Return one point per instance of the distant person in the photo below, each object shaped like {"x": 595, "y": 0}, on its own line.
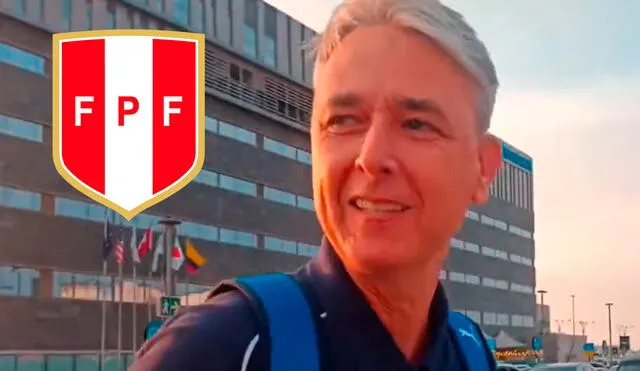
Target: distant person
{"x": 404, "y": 93}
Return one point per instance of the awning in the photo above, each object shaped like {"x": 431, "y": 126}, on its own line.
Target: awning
{"x": 504, "y": 341}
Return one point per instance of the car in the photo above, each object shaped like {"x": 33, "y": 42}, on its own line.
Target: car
{"x": 569, "y": 366}
{"x": 507, "y": 367}
{"x": 629, "y": 363}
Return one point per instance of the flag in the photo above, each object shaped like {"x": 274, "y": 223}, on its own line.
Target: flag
{"x": 107, "y": 244}
{"x": 133, "y": 246}
{"x": 177, "y": 255}
{"x": 119, "y": 252}
{"x": 194, "y": 260}
{"x": 145, "y": 244}
{"x": 159, "y": 251}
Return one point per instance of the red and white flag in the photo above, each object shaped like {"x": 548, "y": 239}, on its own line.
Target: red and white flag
{"x": 177, "y": 255}
{"x": 123, "y": 102}
{"x": 145, "y": 245}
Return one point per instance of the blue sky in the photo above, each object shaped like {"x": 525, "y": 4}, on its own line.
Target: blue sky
{"x": 570, "y": 97}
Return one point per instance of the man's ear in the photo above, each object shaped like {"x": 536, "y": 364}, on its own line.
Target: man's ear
{"x": 490, "y": 158}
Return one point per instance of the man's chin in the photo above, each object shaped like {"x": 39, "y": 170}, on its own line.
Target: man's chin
{"x": 376, "y": 256}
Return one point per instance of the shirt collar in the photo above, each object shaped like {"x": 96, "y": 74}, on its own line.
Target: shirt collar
{"x": 346, "y": 307}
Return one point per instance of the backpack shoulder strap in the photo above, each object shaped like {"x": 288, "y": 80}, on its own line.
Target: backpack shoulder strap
{"x": 470, "y": 341}
{"x": 281, "y": 306}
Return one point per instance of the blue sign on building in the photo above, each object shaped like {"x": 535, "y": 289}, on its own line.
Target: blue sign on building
{"x": 152, "y": 328}
{"x": 536, "y": 343}
{"x": 589, "y": 348}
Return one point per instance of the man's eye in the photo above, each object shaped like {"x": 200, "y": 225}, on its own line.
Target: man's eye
{"x": 341, "y": 120}
{"x": 415, "y": 124}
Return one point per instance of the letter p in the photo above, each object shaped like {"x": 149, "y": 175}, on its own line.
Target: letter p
{"x": 125, "y": 109}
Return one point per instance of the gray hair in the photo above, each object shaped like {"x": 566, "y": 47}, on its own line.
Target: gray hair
{"x": 446, "y": 27}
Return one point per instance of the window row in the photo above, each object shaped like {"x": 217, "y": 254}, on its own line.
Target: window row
{"x": 229, "y": 183}
{"x": 498, "y": 224}
{"x": 499, "y": 319}
{"x": 20, "y": 128}
{"x": 472, "y": 279}
{"x": 514, "y": 185}
{"x": 22, "y": 59}
{"x": 489, "y": 251}
{"x": 245, "y": 136}
{"x": 64, "y": 362}
{"x": 94, "y": 212}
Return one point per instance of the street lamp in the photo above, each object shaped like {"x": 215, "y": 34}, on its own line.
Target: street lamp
{"x": 542, "y": 319}
{"x": 609, "y": 305}
{"x": 169, "y": 224}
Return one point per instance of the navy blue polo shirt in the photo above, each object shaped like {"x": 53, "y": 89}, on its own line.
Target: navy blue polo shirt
{"x": 220, "y": 335}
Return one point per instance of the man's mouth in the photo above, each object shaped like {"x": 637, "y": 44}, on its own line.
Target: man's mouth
{"x": 378, "y": 206}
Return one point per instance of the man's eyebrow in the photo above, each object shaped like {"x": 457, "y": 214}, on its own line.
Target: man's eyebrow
{"x": 418, "y": 105}
{"x": 344, "y": 100}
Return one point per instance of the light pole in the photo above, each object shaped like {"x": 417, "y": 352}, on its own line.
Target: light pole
{"x": 542, "y": 319}
{"x": 559, "y": 323}
{"x": 609, "y": 305}
{"x": 573, "y": 314}
{"x": 583, "y": 326}
{"x": 169, "y": 224}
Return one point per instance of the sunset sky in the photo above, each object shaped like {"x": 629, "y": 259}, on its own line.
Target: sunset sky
{"x": 570, "y": 97}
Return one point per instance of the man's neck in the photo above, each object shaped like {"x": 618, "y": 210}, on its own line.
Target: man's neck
{"x": 402, "y": 302}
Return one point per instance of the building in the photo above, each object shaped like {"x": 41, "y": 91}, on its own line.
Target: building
{"x": 490, "y": 273}
{"x": 249, "y": 211}
{"x": 543, "y": 318}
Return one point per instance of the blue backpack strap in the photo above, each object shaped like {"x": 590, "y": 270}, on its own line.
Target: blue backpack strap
{"x": 471, "y": 342}
{"x": 291, "y": 325}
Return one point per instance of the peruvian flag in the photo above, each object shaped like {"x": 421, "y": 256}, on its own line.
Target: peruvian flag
{"x": 145, "y": 244}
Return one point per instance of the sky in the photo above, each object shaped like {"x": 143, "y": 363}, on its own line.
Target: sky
{"x": 569, "y": 97}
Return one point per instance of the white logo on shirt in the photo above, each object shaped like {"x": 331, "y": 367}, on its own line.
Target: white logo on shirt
{"x": 466, "y": 333}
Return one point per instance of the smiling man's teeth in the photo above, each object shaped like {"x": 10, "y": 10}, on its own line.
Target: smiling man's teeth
{"x": 378, "y": 206}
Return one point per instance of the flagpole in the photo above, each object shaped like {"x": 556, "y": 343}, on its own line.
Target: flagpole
{"x": 134, "y": 314}
{"x": 103, "y": 319}
{"x": 120, "y": 302}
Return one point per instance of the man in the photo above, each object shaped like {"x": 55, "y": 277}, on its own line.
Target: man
{"x": 404, "y": 93}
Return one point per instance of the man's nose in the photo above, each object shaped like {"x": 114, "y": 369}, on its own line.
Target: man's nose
{"x": 376, "y": 157}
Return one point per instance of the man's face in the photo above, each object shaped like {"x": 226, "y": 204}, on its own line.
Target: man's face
{"x": 397, "y": 154}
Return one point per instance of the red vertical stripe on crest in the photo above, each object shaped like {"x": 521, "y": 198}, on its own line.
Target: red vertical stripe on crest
{"x": 174, "y": 146}
{"x": 82, "y": 147}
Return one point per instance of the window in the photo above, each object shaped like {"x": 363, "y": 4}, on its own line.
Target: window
{"x": 502, "y": 285}
{"x": 443, "y": 274}
{"x": 279, "y": 148}
{"x": 199, "y": 231}
{"x": 20, "y": 128}
{"x": 502, "y": 319}
{"x": 488, "y": 282}
{"x": 457, "y": 244}
{"x": 307, "y": 250}
{"x": 214, "y": 8}
{"x": 515, "y": 258}
{"x": 475, "y": 316}
{"x": 199, "y": 20}
{"x": 65, "y": 13}
{"x": 238, "y": 185}
{"x": 233, "y": 237}
{"x": 528, "y": 321}
{"x": 489, "y": 318}
{"x": 456, "y": 277}
{"x": 473, "y": 215}
{"x": 250, "y": 35}
{"x": 18, "y": 281}
{"x": 270, "y": 36}
{"x": 18, "y": 199}
{"x": 88, "y": 15}
{"x": 472, "y": 279}
{"x": 279, "y": 196}
{"x": 517, "y": 321}
{"x": 21, "y": 59}
{"x": 502, "y": 255}
{"x": 211, "y": 124}
{"x": 207, "y": 177}
{"x": 488, "y": 251}
{"x": 276, "y": 244}
{"x": 237, "y": 133}
{"x": 59, "y": 362}
{"x": 30, "y": 363}
{"x": 303, "y": 156}
{"x": 472, "y": 247}
{"x": 305, "y": 203}
{"x": 20, "y": 6}
{"x": 110, "y": 18}
{"x": 181, "y": 11}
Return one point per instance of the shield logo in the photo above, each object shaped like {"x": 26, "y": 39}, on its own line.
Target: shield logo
{"x": 128, "y": 114}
